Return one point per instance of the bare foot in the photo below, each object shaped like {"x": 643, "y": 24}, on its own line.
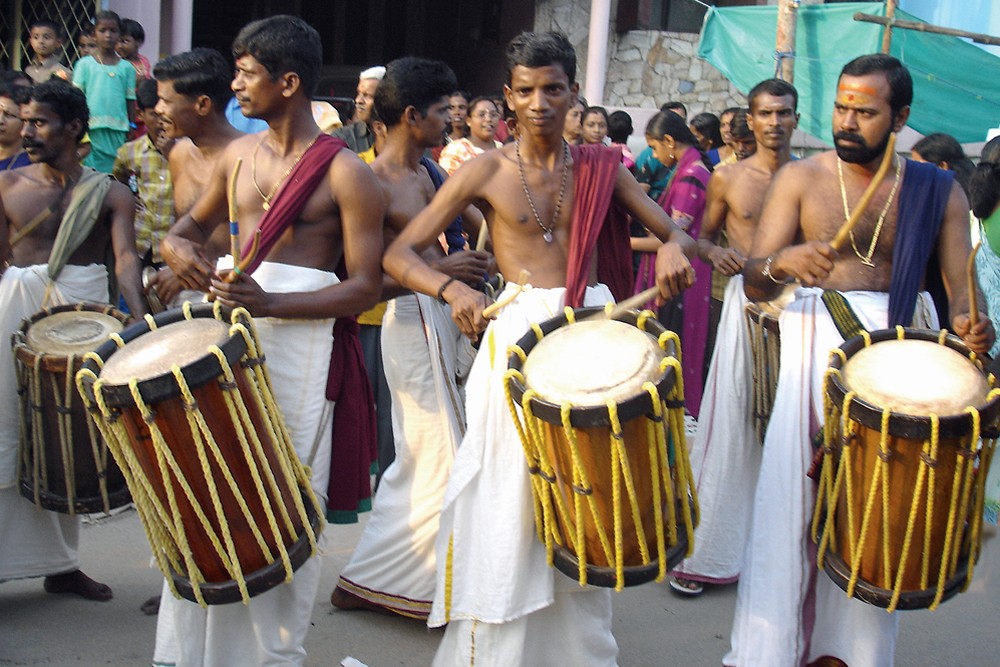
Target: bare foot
{"x": 151, "y": 607}
{"x": 342, "y": 599}
{"x": 80, "y": 584}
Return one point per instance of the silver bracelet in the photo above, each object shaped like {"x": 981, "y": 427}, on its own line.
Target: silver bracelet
{"x": 767, "y": 271}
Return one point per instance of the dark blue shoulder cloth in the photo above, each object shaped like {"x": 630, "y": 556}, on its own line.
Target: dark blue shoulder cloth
{"x": 453, "y": 233}
{"x": 923, "y": 197}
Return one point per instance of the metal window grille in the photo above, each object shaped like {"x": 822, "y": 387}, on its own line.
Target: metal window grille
{"x": 17, "y": 15}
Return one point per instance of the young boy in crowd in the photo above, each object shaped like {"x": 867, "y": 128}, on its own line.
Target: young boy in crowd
{"x": 109, "y": 84}
{"x": 46, "y": 41}
{"x": 133, "y": 37}
{"x": 142, "y": 166}
{"x": 86, "y": 43}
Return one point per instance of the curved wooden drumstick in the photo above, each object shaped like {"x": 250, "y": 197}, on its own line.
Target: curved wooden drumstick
{"x": 973, "y": 288}
{"x": 484, "y": 235}
{"x": 234, "y": 226}
{"x": 245, "y": 262}
{"x": 494, "y": 308}
{"x": 866, "y": 197}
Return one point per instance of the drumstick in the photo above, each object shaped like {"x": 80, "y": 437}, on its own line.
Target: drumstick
{"x": 636, "y": 301}
{"x": 234, "y": 226}
{"x": 493, "y": 308}
{"x": 866, "y": 197}
{"x": 484, "y": 236}
{"x": 973, "y": 289}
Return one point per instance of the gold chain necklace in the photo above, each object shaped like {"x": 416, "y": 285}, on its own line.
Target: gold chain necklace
{"x": 110, "y": 73}
{"x": 867, "y": 259}
{"x": 546, "y": 231}
{"x": 266, "y": 205}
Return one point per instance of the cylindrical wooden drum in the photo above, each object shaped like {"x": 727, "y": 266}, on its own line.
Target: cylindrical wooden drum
{"x": 599, "y": 406}
{"x": 765, "y": 346}
{"x": 64, "y": 465}
{"x": 186, "y": 406}
{"x": 910, "y": 421}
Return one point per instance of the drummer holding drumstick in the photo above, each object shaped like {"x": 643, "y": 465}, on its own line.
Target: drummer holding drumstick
{"x": 785, "y": 613}
{"x": 61, "y": 223}
{"x": 544, "y": 203}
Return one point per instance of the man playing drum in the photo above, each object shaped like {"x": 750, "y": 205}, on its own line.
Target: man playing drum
{"x": 501, "y": 602}
{"x": 785, "y": 613}
{"x": 315, "y": 205}
{"x": 193, "y": 89}
{"x": 725, "y": 457}
{"x": 65, "y": 228}
{"x": 393, "y": 566}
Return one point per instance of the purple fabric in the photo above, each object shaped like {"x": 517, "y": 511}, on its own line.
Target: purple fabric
{"x": 597, "y": 221}
{"x": 684, "y": 201}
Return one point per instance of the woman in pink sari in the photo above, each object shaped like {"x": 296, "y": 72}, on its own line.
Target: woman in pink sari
{"x": 684, "y": 201}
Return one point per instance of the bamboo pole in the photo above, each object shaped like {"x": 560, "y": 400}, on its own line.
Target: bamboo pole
{"x": 977, "y": 37}
{"x": 890, "y": 13}
{"x": 784, "y": 47}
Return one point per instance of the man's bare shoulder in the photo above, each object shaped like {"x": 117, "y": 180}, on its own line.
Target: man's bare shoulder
{"x": 818, "y": 165}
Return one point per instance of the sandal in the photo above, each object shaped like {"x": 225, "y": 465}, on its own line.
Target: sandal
{"x": 686, "y": 587}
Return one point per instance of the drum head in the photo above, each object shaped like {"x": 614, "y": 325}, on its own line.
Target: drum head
{"x": 154, "y": 353}
{"x": 592, "y": 362}
{"x": 915, "y": 377}
{"x": 71, "y": 332}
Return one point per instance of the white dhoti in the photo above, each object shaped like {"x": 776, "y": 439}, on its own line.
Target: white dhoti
{"x": 494, "y": 586}
{"x": 271, "y": 629}
{"x": 34, "y": 542}
{"x": 725, "y": 457}
{"x": 787, "y": 611}
{"x": 423, "y": 354}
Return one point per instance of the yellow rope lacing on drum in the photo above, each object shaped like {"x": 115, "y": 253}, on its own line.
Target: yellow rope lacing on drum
{"x": 678, "y": 439}
{"x": 657, "y": 448}
{"x": 164, "y": 526}
{"x": 622, "y": 469}
{"x": 537, "y": 493}
{"x": 40, "y": 467}
{"x": 881, "y": 473}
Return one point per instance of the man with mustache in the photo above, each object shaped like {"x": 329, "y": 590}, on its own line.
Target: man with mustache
{"x": 725, "y": 456}
{"x": 194, "y": 90}
{"x": 787, "y": 612}
{"x": 61, "y": 222}
{"x": 358, "y": 134}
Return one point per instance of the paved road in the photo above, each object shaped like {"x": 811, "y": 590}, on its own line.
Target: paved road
{"x": 652, "y": 626}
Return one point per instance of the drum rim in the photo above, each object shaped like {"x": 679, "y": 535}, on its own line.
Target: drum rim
{"x": 164, "y": 387}
{"x": 757, "y": 315}
{"x": 19, "y": 339}
{"x": 591, "y": 415}
{"x": 903, "y": 425}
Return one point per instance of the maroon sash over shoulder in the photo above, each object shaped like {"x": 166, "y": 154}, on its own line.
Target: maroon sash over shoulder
{"x": 354, "y": 442}
{"x": 597, "y": 221}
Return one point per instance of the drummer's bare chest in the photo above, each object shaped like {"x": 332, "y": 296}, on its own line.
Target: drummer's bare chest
{"x": 823, "y": 214}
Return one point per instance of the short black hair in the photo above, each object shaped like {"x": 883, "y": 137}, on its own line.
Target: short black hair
{"x": 738, "y": 127}
{"x": 47, "y": 23}
{"x": 708, "y": 126}
{"x": 283, "y": 44}
{"x": 146, "y": 96}
{"x": 108, "y": 15}
{"x": 619, "y": 126}
{"x": 411, "y": 82}
{"x": 482, "y": 98}
{"x": 900, "y": 81}
{"x": 984, "y": 186}
{"x": 673, "y": 104}
{"x": 776, "y": 87}
{"x": 66, "y": 100}
{"x": 595, "y": 109}
{"x": 940, "y": 147}
{"x": 133, "y": 29}
{"x": 198, "y": 72}
{"x": 541, "y": 49}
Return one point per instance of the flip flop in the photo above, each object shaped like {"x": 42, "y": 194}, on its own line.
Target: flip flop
{"x": 686, "y": 587}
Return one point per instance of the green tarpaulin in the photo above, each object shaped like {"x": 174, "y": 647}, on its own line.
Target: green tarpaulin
{"x": 955, "y": 83}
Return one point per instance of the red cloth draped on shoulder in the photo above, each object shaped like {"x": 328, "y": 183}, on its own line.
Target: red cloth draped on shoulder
{"x": 354, "y": 442}
{"x": 597, "y": 221}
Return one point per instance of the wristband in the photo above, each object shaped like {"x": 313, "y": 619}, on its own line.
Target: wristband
{"x": 444, "y": 286}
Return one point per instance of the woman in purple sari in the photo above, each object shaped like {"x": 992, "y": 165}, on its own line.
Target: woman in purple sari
{"x": 683, "y": 199}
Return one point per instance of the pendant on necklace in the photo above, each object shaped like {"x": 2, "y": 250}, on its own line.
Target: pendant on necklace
{"x": 111, "y": 74}
{"x": 547, "y": 236}
{"x": 868, "y": 263}
{"x": 266, "y": 206}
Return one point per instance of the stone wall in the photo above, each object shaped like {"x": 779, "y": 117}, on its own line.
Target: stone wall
{"x": 645, "y": 67}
